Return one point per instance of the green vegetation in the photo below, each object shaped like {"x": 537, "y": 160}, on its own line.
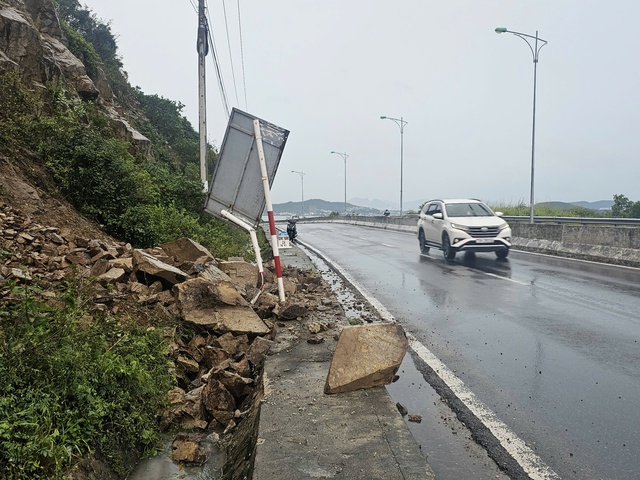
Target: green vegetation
{"x": 624, "y": 208}
{"x": 72, "y": 381}
{"x": 76, "y": 381}
{"x": 146, "y": 196}
{"x": 547, "y": 210}
{"x": 141, "y": 200}
{"x": 92, "y": 41}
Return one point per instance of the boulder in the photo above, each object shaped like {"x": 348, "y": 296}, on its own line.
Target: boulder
{"x": 290, "y": 311}
{"x": 186, "y": 449}
{"x": 186, "y": 250}
{"x": 185, "y": 410}
{"x": 112, "y": 276}
{"x": 258, "y": 350}
{"x": 240, "y": 320}
{"x": 149, "y": 268}
{"x": 216, "y": 397}
{"x": 217, "y": 306}
{"x": 236, "y": 384}
{"x": 366, "y": 356}
{"x": 213, "y": 273}
{"x": 231, "y": 344}
{"x": 200, "y": 293}
{"x": 241, "y": 272}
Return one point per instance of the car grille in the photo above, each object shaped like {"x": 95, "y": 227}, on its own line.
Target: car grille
{"x": 483, "y": 232}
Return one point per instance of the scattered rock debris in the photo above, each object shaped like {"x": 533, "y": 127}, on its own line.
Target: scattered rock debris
{"x": 219, "y": 369}
{"x": 415, "y": 418}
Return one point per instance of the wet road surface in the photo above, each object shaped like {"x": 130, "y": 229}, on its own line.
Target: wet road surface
{"x": 550, "y": 345}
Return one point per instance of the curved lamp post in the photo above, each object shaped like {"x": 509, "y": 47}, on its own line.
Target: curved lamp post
{"x": 535, "y": 50}
{"x": 401, "y": 123}
{"x": 344, "y": 157}
{"x": 302, "y": 180}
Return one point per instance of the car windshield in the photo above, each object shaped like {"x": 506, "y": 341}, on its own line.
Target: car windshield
{"x": 468, "y": 210}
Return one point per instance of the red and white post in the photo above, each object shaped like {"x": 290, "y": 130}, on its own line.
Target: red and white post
{"x": 267, "y": 195}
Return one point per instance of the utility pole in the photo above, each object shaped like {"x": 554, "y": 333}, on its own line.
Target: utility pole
{"x": 203, "y": 49}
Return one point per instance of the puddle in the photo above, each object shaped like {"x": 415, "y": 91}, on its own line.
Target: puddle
{"x": 161, "y": 467}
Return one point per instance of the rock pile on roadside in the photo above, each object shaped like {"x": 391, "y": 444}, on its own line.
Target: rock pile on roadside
{"x": 219, "y": 369}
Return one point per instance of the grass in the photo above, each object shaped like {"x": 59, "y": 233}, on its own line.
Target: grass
{"x": 542, "y": 210}
{"x": 74, "y": 382}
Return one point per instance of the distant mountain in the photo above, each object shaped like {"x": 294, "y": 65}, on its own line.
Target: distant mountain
{"x": 375, "y": 203}
{"x": 557, "y": 205}
{"x": 382, "y": 204}
{"x": 364, "y": 206}
{"x": 321, "y": 207}
{"x": 599, "y": 205}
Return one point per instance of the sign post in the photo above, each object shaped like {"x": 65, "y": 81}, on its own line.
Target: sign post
{"x": 242, "y": 178}
{"x": 267, "y": 196}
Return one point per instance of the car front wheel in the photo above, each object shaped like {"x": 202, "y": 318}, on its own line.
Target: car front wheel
{"x": 448, "y": 252}
{"x": 502, "y": 253}
{"x": 423, "y": 243}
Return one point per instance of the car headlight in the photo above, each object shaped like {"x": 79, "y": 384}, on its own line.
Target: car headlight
{"x": 457, "y": 226}
{"x": 502, "y": 227}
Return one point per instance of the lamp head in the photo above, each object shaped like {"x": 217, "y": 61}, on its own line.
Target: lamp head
{"x": 382, "y": 117}
{"x": 501, "y": 30}
{"x": 333, "y": 151}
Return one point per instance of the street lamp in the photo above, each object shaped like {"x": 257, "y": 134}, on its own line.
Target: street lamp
{"x": 535, "y": 50}
{"x": 344, "y": 157}
{"x": 401, "y": 123}
{"x": 302, "y": 179}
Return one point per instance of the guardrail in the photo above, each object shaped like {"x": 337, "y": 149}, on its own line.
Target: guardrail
{"x": 608, "y": 222}
{"x": 607, "y": 240}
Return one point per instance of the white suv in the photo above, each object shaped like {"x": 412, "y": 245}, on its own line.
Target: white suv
{"x": 462, "y": 225}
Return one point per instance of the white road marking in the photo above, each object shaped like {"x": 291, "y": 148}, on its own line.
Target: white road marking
{"x": 506, "y": 278}
{"x": 530, "y": 462}
{"x": 387, "y": 245}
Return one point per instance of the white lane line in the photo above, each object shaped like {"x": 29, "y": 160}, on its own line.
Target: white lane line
{"x": 530, "y": 462}
{"x": 387, "y": 245}
{"x": 505, "y": 278}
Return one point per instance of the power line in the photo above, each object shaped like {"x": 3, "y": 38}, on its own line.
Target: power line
{"x": 244, "y": 79}
{"x": 233, "y": 70}
{"x": 212, "y": 44}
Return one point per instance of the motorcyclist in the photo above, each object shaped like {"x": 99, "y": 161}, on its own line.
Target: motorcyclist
{"x": 292, "y": 231}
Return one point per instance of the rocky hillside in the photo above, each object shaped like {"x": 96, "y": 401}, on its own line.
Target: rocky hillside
{"x": 216, "y": 339}
{"x": 34, "y": 45}
{"x": 60, "y": 272}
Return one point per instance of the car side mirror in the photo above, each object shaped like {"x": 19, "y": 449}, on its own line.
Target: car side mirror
{"x": 438, "y": 216}
{"x": 498, "y": 214}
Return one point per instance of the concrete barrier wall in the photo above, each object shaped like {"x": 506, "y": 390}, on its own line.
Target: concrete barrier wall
{"x": 616, "y": 245}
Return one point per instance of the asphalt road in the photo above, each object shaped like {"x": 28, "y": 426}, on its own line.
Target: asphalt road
{"x": 549, "y": 345}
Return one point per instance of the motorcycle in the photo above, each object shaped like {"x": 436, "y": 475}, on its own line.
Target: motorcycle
{"x": 292, "y": 231}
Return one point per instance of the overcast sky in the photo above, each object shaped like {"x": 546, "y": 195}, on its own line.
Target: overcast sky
{"x": 327, "y": 70}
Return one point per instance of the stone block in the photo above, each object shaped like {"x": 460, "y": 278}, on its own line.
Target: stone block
{"x": 366, "y": 356}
